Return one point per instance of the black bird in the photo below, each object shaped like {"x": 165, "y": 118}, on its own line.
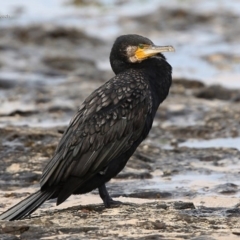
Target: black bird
{"x": 108, "y": 127}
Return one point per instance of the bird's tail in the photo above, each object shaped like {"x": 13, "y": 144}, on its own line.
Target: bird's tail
{"x": 26, "y": 206}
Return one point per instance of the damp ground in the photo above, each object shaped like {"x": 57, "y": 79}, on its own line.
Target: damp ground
{"x": 183, "y": 182}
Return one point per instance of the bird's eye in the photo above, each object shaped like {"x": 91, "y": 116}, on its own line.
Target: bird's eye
{"x": 141, "y": 46}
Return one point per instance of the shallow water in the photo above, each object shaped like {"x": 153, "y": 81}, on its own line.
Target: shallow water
{"x": 201, "y": 183}
{"x": 213, "y": 143}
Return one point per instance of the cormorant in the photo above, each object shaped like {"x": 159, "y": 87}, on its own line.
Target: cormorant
{"x": 108, "y": 127}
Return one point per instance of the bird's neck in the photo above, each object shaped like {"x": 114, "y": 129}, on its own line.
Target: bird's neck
{"x": 119, "y": 65}
{"x": 157, "y": 72}
{"x": 159, "y": 75}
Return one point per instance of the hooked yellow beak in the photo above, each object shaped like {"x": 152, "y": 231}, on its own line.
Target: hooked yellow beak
{"x": 145, "y": 51}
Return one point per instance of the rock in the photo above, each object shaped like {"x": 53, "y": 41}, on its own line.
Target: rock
{"x": 218, "y": 92}
{"x": 227, "y": 188}
{"x": 184, "y": 205}
{"x": 149, "y": 194}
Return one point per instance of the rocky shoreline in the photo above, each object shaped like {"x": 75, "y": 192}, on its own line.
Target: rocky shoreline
{"x": 172, "y": 191}
{"x": 171, "y": 188}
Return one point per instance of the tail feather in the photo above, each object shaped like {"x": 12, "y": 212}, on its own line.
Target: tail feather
{"x": 26, "y": 206}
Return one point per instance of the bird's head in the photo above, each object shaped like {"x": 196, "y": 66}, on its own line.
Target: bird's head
{"x": 134, "y": 48}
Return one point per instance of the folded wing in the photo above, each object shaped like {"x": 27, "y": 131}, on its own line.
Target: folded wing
{"x": 106, "y": 125}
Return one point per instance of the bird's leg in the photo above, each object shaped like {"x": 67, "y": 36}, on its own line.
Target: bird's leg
{"x": 107, "y": 200}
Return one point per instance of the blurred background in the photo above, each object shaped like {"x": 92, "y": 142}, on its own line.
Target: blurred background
{"x": 54, "y": 53}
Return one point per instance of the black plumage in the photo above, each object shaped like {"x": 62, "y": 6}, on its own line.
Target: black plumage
{"x": 108, "y": 127}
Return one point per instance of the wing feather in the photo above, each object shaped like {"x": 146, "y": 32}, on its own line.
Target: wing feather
{"x": 106, "y": 125}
